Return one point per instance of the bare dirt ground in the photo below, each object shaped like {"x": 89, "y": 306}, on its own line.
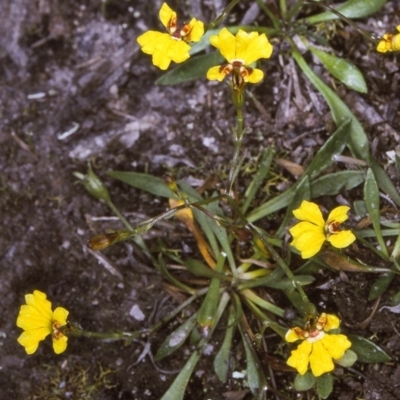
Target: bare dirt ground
{"x": 74, "y": 86}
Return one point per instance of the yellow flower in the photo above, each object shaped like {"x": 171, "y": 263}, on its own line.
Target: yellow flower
{"x": 389, "y": 42}
{"x": 38, "y": 320}
{"x": 240, "y": 51}
{"x": 318, "y": 347}
{"x": 171, "y": 46}
{"x": 310, "y": 234}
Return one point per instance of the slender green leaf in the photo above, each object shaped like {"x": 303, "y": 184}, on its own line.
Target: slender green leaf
{"x": 324, "y": 385}
{"x": 177, "y": 390}
{"x": 343, "y": 70}
{"x": 332, "y": 147}
{"x": 350, "y": 9}
{"x": 192, "y": 69}
{"x": 199, "y": 269}
{"x": 358, "y": 141}
{"x": 221, "y": 361}
{"x": 259, "y": 176}
{"x": 371, "y": 197}
{"x": 380, "y": 285}
{"x": 146, "y": 182}
{"x": 207, "y": 314}
{"x": 385, "y": 183}
{"x": 287, "y": 284}
{"x": 367, "y": 351}
{"x": 322, "y": 160}
{"x": 333, "y": 184}
{"x": 302, "y": 193}
{"x": 164, "y": 271}
{"x": 255, "y": 376}
{"x": 176, "y": 339}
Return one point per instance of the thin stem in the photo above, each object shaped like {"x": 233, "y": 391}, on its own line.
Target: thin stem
{"x": 222, "y": 16}
{"x": 270, "y": 14}
{"x": 239, "y": 133}
{"x": 283, "y": 7}
{"x": 368, "y": 35}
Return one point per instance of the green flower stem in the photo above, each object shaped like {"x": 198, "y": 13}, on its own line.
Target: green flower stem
{"x": 367, "y": 35}
{"x": 270, "y": 14}
{"x": 222, "y": 16}
{"x": 283, "y": 7}
{"x": 73, "y": 329}
{"x": 294, "y": 10}
{"x": 238, "y": 101}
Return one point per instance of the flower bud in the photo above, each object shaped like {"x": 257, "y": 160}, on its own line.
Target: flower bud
{"x": 94, "y": 185}
{"x": 101, "y": 242}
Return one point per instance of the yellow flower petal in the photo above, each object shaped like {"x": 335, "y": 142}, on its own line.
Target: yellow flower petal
{"x": 336, "y": 345}
{"x": 163, "y": 48}
{"x": 332, "y": 322}
{"x": 383, "y": 46}
{"x": 307, "y": 238}
{"x": 256, "y": 76}
{"x": 292, "y": 336}
{"x": 177, "y": 51}
{"x": 225, "y": 42}
{"x": 166, "y": 14}
{"x": 310, "y": 212}
{"x": 320, "y": 359}
{"x": 152, "y": 40}
{"x": 216, "y": 73}
{"x": 341, "y": 239}
{"x": 196, "y": 30}
{"x": 299, "y": 357}
{"x": 251, "y": 47}
{"x": 60, "y": 315}
{"x": 60, "y": 344}
{"x": 338, "y": 214}
{"x": 30, "y": 339}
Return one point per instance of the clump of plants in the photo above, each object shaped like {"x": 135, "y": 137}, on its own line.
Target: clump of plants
{"x": 242, "y": 264}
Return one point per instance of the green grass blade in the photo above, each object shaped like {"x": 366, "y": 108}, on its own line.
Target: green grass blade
{"x": 259, "y": 176}
{"x": 255, "y": 375}
{"x": 371, "y": 197}
{"x": 176, "y": 339}
{"x": 358, "y": 141}
{"x": 343, "y": 70}
{"x": 322, "y": 160}
{"x": 350, "y": 9}
{"x": 221, "y": 361}
{"x": 148, "y": 183}
{"x": 333, "y": 184}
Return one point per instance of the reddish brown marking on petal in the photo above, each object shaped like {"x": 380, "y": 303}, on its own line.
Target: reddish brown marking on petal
{"x": 56, "y": 332}
{"x": 172, "y": 25}
{"x": 333, "y": 227}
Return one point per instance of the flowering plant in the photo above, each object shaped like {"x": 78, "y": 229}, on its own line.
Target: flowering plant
{"x": 38, "y": 321}
{"x": 318, "y": 347}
